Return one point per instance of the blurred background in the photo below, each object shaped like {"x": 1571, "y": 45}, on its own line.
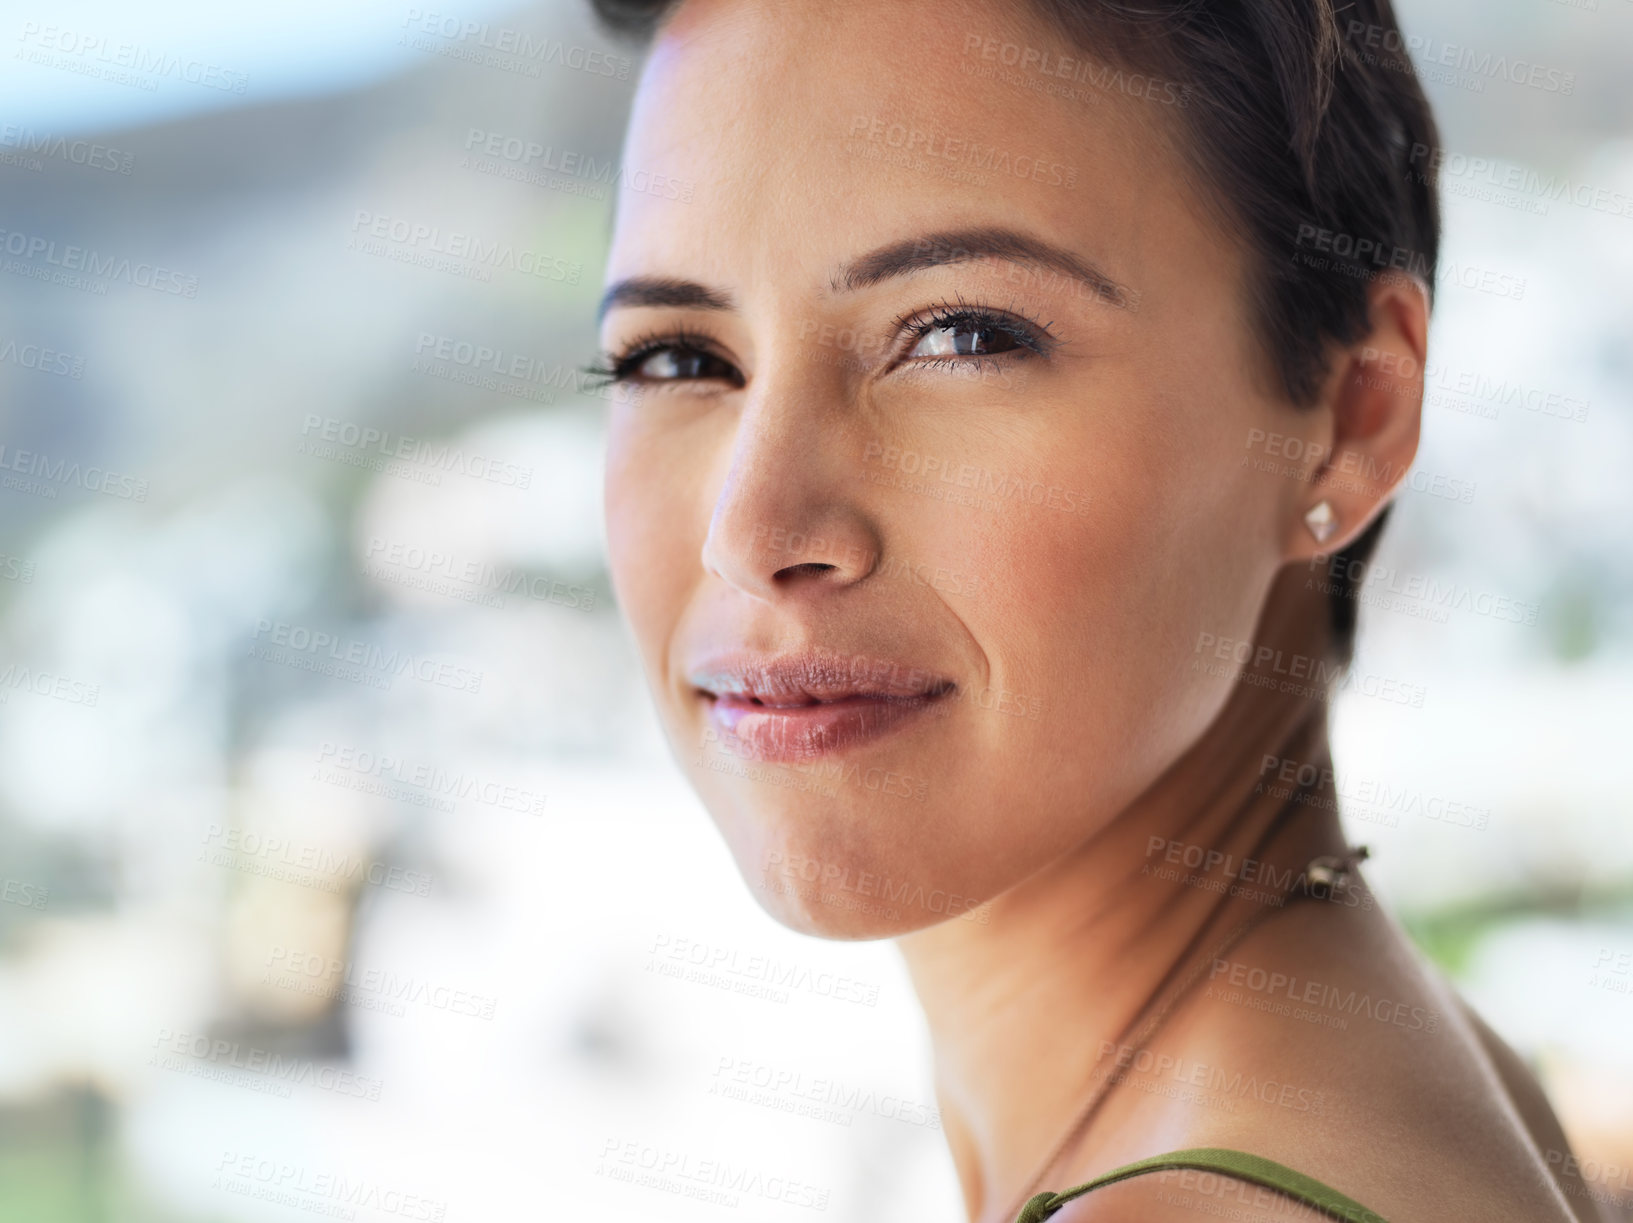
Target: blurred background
{"x": 343, "y": 870}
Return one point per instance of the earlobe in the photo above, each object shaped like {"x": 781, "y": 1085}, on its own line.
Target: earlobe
{"x": 1374, "y": 399}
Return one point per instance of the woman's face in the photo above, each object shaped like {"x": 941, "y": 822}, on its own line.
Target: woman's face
{"x": 939, "y": 467}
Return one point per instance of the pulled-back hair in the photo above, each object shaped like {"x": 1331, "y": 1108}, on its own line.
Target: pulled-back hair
{"x": 1313, "y": 141}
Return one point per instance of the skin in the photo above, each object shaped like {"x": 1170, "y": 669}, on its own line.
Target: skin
{"x": 753, "y": 506}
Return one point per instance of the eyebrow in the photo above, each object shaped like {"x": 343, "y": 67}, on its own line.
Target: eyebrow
{"x": 663, "y": 291}
{"x": 896, "y": 259}
{"x": 989, "y": 242}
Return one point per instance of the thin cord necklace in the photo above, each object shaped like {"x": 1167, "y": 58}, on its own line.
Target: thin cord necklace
{"x": 1322, "y": 878}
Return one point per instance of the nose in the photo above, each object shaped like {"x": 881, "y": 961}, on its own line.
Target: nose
{"x": 784, "y": 522}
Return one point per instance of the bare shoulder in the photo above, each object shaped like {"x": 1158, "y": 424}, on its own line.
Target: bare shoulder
{"x": 1185, "y": 1197}
{"x": 1352, "y": 1062}
{"x": 1536, "y": 1114}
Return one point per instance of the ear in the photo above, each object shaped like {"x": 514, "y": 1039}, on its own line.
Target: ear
{"x": 1371, "y": 408}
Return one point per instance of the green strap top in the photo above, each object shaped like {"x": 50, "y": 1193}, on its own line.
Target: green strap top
{"x": 1239, "y": 1164}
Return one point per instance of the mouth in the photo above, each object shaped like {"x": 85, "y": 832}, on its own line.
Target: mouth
{"x": 802, "y": 707}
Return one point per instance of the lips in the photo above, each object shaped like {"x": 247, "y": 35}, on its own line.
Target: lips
{"x": 803, "y": 706}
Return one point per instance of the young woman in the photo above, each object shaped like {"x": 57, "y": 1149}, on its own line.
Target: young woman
{"x": 1018, "y": 387}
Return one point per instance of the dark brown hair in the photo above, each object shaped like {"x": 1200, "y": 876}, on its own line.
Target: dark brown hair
{"x": 1315, "y": 143}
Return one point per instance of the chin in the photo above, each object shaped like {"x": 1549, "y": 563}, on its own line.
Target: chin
{"x": 816, "y": 910}
{"x": 843, "y": 865}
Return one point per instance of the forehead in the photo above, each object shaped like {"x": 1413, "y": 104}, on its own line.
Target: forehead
{"x": 780, "y": 140}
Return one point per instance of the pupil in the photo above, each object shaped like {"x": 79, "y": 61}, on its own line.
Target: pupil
{"x": 677, "y": 364}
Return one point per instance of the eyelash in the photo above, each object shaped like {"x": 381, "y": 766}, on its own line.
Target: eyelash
{"x": 1031, "y": 336}
{"x": 1034, "y": 337}
{"x": 611, "y": 368}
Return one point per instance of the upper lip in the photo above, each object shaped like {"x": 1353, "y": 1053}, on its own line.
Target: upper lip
{"x": 811, "y": 677}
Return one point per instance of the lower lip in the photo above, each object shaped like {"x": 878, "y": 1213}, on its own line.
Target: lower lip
{"x": 807, "y": 732}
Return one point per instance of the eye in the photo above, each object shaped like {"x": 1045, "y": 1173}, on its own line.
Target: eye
{"x": 674, "y": 363}
{"x": 675, "y": 357}
{"x": 966, "y": 336}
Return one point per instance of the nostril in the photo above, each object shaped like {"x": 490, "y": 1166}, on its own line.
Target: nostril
{"x": 809, "y": 568}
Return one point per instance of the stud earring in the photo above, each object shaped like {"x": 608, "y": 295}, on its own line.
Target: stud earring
{"x": 1321, "y": 521}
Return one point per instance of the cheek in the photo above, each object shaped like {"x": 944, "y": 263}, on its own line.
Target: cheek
{"x": 1096, "y": 613}
{"x": 650, "y": 552}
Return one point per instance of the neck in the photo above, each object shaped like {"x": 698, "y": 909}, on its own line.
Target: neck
{"x": 1019, "y": 1009}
